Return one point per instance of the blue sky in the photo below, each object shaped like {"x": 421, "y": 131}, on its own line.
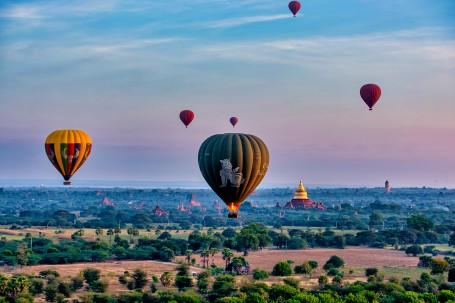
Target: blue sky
{"x": 123, "y": 70}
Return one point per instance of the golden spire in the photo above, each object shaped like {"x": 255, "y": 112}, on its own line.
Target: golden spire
{"x": 300, "y": 192}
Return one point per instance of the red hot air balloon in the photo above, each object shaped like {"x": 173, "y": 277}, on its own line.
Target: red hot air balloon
{"x": 234, "y": 121}
{"x": 370, "y": 94}
{"x": 294, "y": 7}
{"x": 186, "y": 116}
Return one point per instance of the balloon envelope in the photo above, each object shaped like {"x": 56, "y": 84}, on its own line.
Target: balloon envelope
{"x": 67, "y": 149}
{"x": 294, "y": 7}
{"x": 234, "y": 121}
{"x": 370, "y": 94}
{"x": 186, "y": 116}
{"x": 233, "y": 165}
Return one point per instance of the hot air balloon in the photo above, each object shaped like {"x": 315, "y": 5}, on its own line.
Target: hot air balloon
{"x": 294, "y": 7}
{"x": 234, "y": 121}
{"x": 186, "y": 116}
{"x": 370, "y": 94}
{"x": 233, "y": 165}
{"x": 68, "y": 149}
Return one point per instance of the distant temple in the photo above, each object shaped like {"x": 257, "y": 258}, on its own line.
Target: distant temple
{"x": 158, "y": 211}
{"x": 192, "y": 200}
{"x": 301, "y": 200}
{"x": 387, "y": 186}
{"x": 106, "y": 201}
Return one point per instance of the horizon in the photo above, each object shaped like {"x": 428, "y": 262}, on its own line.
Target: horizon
{"x": 144, "y": 184}
{"x": 123, "y": 71}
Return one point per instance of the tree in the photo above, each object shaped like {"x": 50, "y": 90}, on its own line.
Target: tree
{"x": 414, "y": 250}
{"x": 188, "y": 255}
{"x": 110, "y": 232}
{"x": 297, "y": 243}
{"x": 452, "y": 240}
{"x": 280, "y": 241}
{"x": 212, "y": 252}
{"x": 17, "y": 285}
{"x": 237, "y": 264}
{"x": 420, "y": 223}
{"x": 323, "y": 280}
{"x": 333, "y": 262}
{"x": 438, "y": 266}
{"x": 305, "y": 268}
{"x": 252, "y": 237}
{"x": 183, "y": 279}
{"x": 98, "y": 232}
{"x": 91, "y": 275}
{"x": 224, "y": 286}
{"x": 227, "y": 255}
{"x": 282, "y": 269}
{"x": 140, "y": 279}
{"x": 167, "y": 278}
{"x": 205, "y": 258}
{"x": 376, "y": 219}
{"x": 203, "y": 281}
{"x": 260, "y": 274}
{"x": 132, "y": 232}
{"x": 229, "y": 232}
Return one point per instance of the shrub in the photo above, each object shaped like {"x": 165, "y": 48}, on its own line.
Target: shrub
{"x": 333, "y": 262}
{"x": 334, "y": 272}
{"x": 282, "y": 269}
{"x": 291, "y": 282}
{"x": 91, "y": 275}
{"x": 77, "y": 283}
{"x": 371, "y": 271}
{"x": 49, "y": 272}
{"x": 259, "y": 274}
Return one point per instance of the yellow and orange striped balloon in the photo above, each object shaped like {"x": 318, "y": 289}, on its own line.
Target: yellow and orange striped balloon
{"x": 67, "y": 149}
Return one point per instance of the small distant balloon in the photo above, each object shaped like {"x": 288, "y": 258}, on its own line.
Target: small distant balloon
{"x": 67, "y": 149}
{"x": 294, "y": 7}
{"x": 234, "y": 121}
{"x": 186, "y": 116}
{"x": 370, "y": 94}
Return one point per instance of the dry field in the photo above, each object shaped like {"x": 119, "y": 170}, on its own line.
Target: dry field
{"x": 355, "y": 258}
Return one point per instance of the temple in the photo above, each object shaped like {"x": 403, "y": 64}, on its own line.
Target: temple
{"x": 301, "y": 200}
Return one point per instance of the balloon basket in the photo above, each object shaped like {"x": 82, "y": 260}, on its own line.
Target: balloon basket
{"x": 233, "y": 215}
{"x": 67, "y": 183}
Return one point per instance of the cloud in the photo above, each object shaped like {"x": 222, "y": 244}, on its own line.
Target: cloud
{"x": 242, "y": 21}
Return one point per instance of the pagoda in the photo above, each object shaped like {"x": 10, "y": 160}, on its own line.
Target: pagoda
{"x": 301, "y": 200}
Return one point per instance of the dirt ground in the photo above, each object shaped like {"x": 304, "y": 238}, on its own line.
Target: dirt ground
{"x": 354, "y": 257}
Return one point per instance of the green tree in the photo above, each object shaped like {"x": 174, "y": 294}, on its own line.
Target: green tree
{"x": 50, "y": 292}
{"x": 420, "y": 223}
{"x": 333, "y": 262}
{"x": 280, "y": 241}
{"x": 140, "y": 279}
{"x": 91, "y": 275}
{"x": 414, "y": 250}
{"x": 305, "y": 268}
{"x": 438, "y": 266}
{"x": 183, "y": 279}
{"x": 227, "y": 255}
{"x": 167, "y": 278}
{"x": 260, "y": 274}
{"x": 203, "y": 281}
{"x": 282, "y": 269}
{"x": 110, "y": 232}
{"x": 224, "y": 286}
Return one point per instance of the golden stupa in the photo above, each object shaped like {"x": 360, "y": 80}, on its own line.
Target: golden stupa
{"x": 301, "y": 200}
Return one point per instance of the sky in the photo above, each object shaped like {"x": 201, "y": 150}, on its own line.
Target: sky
{"x": 123, "y": 70}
